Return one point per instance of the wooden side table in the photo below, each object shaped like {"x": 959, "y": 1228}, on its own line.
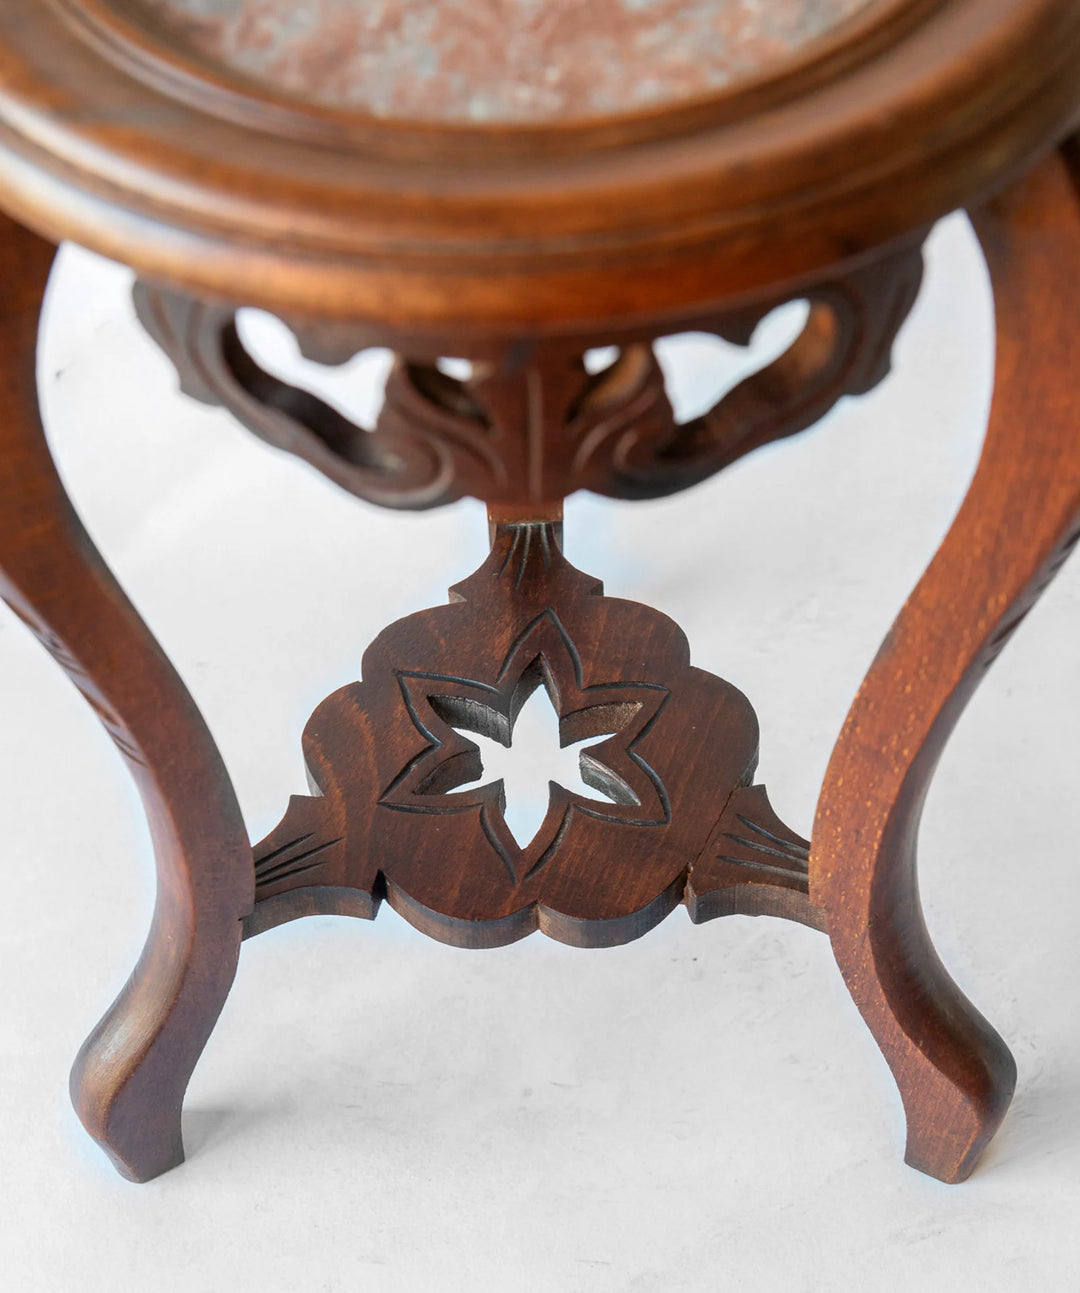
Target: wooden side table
{"x": 513, "y": 186}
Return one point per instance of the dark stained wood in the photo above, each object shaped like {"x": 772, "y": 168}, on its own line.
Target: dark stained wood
{"x": 753, "y": 865}
{"x": 242, "y": 193}
{"x": 387, "y": 755}
{"x": 530, "y": 425}
{"x": 519, "y": 246}
{"x": 1019, "y": 522}
{"x": 129, "y": 1079}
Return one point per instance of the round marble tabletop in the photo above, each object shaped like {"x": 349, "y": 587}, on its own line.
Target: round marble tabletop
{"x": 460, "y": 61}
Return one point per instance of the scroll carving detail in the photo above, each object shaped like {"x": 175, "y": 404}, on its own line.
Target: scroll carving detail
{"x": 531, "y": 425}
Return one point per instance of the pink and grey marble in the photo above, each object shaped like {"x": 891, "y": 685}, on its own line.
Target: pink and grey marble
{"x": 495, "y": 60}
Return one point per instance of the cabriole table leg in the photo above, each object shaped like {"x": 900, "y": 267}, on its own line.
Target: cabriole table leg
{"x": 1017, "y": 525}
{"x": 129, "y": 1079}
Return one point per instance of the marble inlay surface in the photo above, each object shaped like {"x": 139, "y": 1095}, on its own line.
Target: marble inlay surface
{"x": 496, "y": 60}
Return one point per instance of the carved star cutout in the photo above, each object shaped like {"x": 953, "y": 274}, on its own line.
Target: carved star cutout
{"x": 543, "y": 655}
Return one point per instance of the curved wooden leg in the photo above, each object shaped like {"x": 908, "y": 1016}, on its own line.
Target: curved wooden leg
{"x": 1020, "y": 520}
{"x": 129, "y": 1079}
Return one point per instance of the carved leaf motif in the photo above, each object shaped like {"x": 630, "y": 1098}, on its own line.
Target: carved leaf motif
{"x": 753, "y": 864}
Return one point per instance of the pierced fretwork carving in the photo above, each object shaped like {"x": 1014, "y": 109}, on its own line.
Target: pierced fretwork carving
{"x": 406, "y": 464}
{"x": 387, "y": 756}
{"x": 530, "y": 425}
{"x": 845, "y": 348}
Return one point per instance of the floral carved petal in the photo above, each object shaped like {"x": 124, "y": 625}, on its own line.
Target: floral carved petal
{"x": 543, "y": 655}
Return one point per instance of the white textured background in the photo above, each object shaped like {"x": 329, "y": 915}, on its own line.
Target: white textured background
{"x": 700, "y": 1110}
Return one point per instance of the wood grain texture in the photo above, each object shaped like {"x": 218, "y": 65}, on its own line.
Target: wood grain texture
{"x": 519, "y": 247}
{"x": 753, "y": 865}
{"x": 1018, "y": 523}
{"x": 530, "y": 425}
{"x": 205, "y": 184}
{"x": 129, "y": 1079}
{"x": 388, "y": 755}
